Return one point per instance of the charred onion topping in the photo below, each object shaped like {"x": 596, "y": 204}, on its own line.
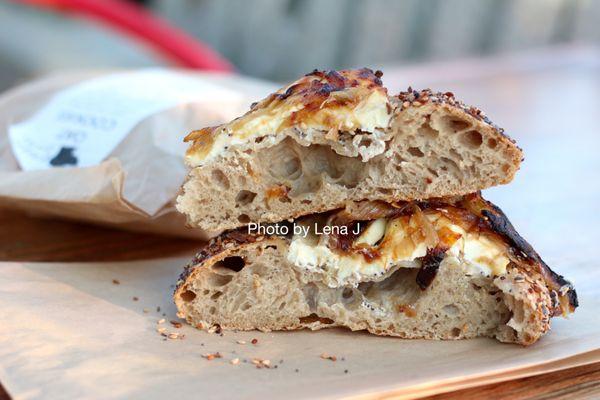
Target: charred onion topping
{"x": 472, "y": 213}
{"x": 316, "y": 91}
{"x": 370, "y": 210}
{"x": 429, "y": 266}
{"x": 345, "y": 242}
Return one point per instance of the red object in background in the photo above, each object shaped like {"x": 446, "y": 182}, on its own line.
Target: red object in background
{"x": 137, "y": 22}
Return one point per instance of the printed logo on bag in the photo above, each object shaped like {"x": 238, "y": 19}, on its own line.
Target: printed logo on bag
{"x": 83, "y": 124}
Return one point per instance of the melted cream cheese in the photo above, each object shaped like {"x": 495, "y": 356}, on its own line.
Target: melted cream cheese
{"x": 399, "y": 244}
{"x": 373, "y": 233}
{"x": 369, "y": 115}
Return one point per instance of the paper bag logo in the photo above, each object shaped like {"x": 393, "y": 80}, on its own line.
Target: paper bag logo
{"x": 91, "y": 118}
{"x": 65, "y": 156}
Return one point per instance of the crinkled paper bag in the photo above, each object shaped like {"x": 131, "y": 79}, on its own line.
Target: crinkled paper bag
{"x": 95, "y": 331}
{"x": 135, "y": 186}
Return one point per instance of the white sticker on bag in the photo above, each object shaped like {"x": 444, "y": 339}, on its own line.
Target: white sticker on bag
{"x": 83, "y": 124}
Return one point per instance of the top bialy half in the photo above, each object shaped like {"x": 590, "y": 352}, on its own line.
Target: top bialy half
{"x": 337, "y": 136}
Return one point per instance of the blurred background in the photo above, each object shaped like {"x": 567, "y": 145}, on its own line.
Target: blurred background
{"x": 532, "y": 65}
{"x": 281, "y": 39}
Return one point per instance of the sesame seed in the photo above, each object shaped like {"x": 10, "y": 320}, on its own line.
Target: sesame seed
{"x": 116, "y": 282}
{"x": 212, "y": 356}
{"x": 135, "y": 298}
{"x": 235, "y": 361}
{"x": 176, "y": 324}
{"x": 161, "y": 321}
{"x": 260, "y": 363}
{"x": 241, "y": 342}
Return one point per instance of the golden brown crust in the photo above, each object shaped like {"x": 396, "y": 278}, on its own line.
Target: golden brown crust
{"x": 524, "y": 284}
{"x": 417, "y": 98}
{"x": 315, "y": 99}
{"x": 326, "y": 101}
{"x": 228, "y": 240}
{"x": 202, "y": 140}
{"x": 428, "y": 99}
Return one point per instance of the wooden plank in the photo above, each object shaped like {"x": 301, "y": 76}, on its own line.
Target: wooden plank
{"x": 575, "y": 383}
{"x": 24, "y": 238}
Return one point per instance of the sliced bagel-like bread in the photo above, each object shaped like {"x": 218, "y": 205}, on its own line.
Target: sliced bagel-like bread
{"x": 336, "y": 136}
{"x": 441, "y": 269}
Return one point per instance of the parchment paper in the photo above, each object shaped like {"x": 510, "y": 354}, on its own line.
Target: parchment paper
{"x": 68, "y": 331}
{"x": 135, "y": 186}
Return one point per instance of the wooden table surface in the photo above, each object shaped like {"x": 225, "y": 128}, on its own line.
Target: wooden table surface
{"x": 523, "y": 94}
